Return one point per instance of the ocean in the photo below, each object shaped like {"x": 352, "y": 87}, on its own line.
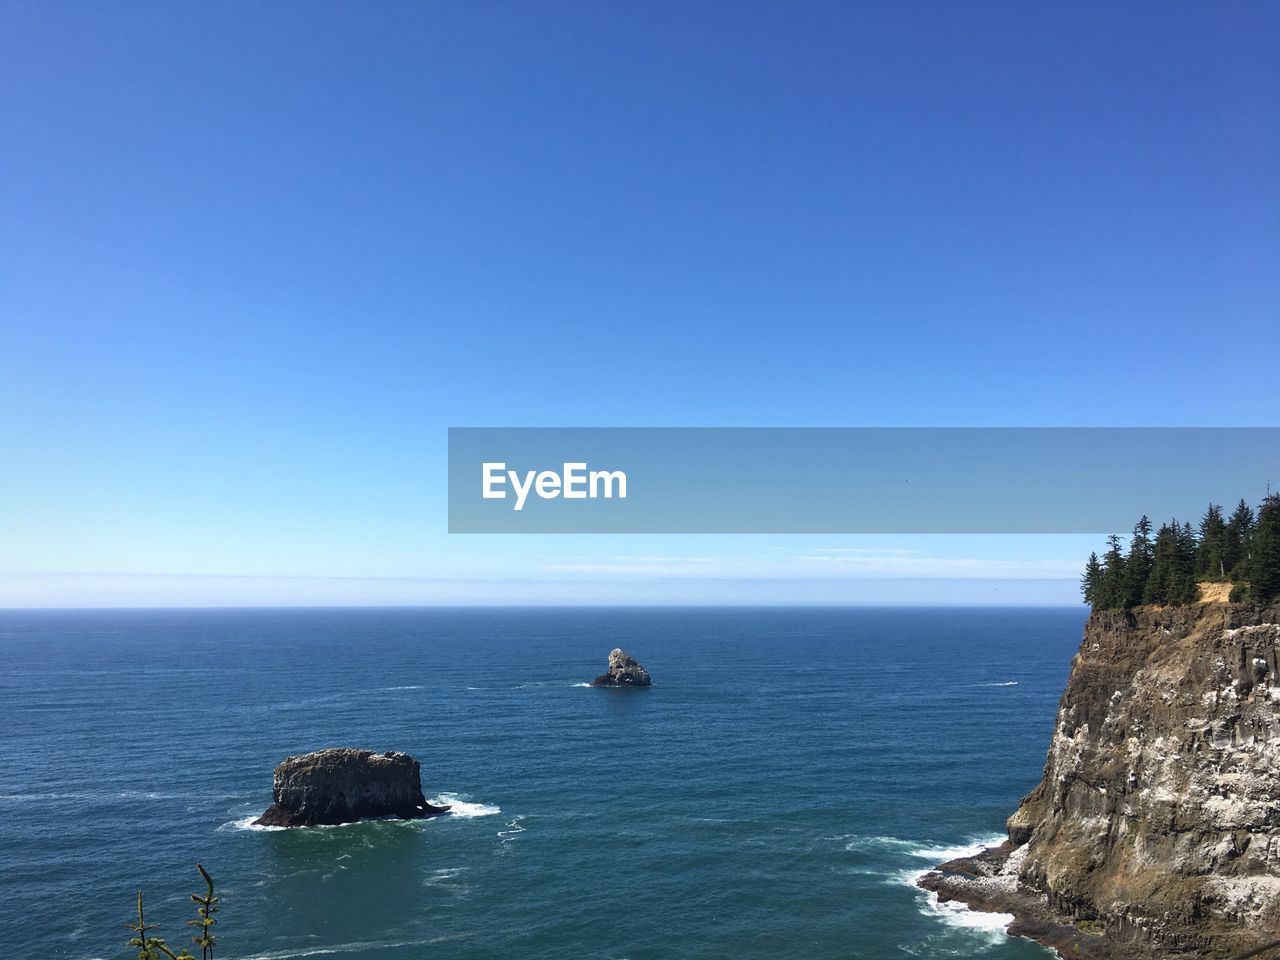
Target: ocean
{"x": 771, "y": 796}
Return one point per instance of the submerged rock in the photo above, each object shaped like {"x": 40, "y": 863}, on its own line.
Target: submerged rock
{"x": 342, "y": 785}
{"x": 624, "y": 671}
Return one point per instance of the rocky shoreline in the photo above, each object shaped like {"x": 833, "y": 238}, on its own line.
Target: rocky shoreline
{"x": 1155, "y": 831}
{"x": 988, "y": 881}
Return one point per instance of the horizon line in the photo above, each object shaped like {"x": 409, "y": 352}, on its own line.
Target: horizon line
{"x": 770, "y": 605}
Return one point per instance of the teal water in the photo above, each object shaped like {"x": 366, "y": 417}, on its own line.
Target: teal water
{"x": 771, "y": 796}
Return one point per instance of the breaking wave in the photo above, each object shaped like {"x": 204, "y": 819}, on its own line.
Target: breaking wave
{"x": 459, "y": 809}
{"x": 991, "y": 928}
{"x": 340, "y": 948}
{"x": 923, "y": 850}
{"x": 514, "y": 829}
{"x": 941, "y": 854}
{"x": 246, "y": 823}
{"x": 465, "y": 809}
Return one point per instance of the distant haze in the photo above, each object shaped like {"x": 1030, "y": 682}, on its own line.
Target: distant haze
{"x": 117, "y": 590}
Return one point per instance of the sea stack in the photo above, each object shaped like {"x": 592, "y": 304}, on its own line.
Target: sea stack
{"x": 1155, "y": 832}
{"x": 343, "y": 785}
{"x": 624, "y": 671}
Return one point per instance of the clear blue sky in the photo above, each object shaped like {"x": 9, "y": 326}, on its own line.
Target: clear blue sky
{"x": 256, "y": 258}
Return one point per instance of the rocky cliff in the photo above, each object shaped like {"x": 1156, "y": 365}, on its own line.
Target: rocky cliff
{"x": 343, "y": 785}
{"x": 1155, "y": 831}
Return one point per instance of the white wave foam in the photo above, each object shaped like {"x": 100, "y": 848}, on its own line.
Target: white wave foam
{"x": 907, "y": 878}
{"x": 92, "y": 796}
{"x": 938, "y": 853}
{"x": 958, "y": 915}
{"x": 582, "y": 684}
{"x": 857, "y": 842}
{"x": 514, "y": 829}
{"x": 991, "y": 927}
{"x": 465, "y": 809}
{"x": 1006, "y": 683}
{"x": 458, "y": 807}
{"x": 247, "y": 824}
{"x": 941, "y": 854}
{"x": 414, "y": 687}
{"x": 344, "y": 948}
{"x": 446, "y": 878}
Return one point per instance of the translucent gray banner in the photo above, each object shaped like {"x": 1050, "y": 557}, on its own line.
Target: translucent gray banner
{"x": 848, "y": 480}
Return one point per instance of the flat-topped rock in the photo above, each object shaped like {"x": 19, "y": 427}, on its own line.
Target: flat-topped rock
{"x": 624, "y": 671}
{"x": 343, "y": 785}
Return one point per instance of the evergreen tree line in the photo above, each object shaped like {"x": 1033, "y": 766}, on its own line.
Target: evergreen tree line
{"x": 1166, "y": 568}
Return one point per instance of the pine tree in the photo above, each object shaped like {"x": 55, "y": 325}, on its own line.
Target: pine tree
{"x": 1111, "y": 595}
{"x": 1264, "y": 552}
{"x": 1137, "y": 565}
{"x": 1091, "y": 582}
{"x": 1185, "y": 589}
{"x": 1164, "y": 570}
{"x": 1235, "y": 553}
{"x": 1172, "y": 578}
{"x": 1210, "y": 558}
{"x": 1164, "y": 558}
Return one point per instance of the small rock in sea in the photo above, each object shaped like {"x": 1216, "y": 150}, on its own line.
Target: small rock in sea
{"x": 623, "y": 671}
{"x": 343, "y": 785}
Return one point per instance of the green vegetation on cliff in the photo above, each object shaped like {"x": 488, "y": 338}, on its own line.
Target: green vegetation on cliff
{"x": 1164, "y": 569}
{"x": 154, "y": 948}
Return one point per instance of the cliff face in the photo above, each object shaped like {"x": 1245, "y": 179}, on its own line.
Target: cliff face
{"x": 343, "y": 785}
{"x": 1156, "y": 827}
